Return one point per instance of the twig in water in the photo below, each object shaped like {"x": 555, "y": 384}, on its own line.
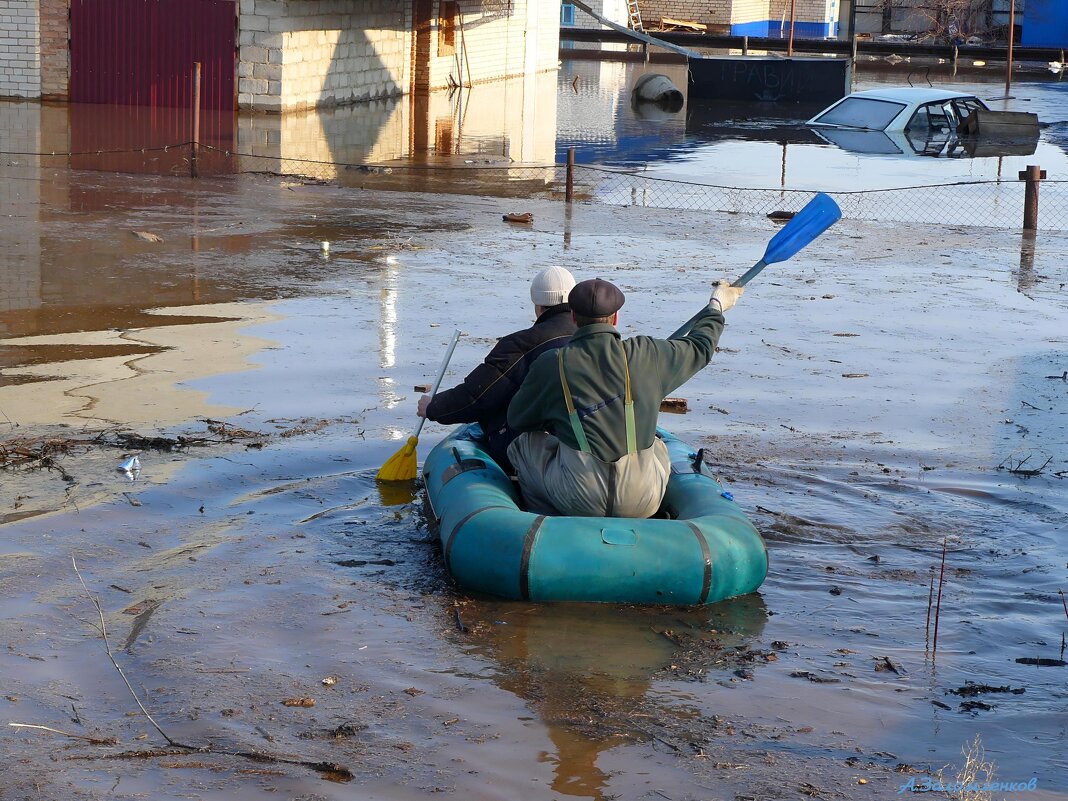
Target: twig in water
{"x": 1037, "y": 471}
{"x": 1064, "y": 603}
{"x": 930, "y": 602}
{"x": 328, "y": 769}
{"x": 938, "y": 603}
{"x": 1030, "y": 406}
{"x": 107, "y": 647}
{"x": 90, "y": 740}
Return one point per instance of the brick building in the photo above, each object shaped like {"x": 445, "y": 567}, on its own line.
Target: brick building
{"x": 271, "y": 55}
{"x": 815, "y": 18}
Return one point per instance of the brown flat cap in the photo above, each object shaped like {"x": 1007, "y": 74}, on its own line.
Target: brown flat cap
{"x": 595, "y": 298}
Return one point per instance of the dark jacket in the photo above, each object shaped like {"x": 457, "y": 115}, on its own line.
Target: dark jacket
{"x": 484, "y": 395}
{"x": 593, "y": 362}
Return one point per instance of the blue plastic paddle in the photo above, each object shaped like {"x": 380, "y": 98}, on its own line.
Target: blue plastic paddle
{"x": 817, "y": 216}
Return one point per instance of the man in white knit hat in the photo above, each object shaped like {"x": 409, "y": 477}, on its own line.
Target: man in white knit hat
{"x": 484, "y": 395}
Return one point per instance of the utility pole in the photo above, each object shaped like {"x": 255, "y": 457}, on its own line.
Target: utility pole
{"x": 793, "y": 15}
{"x": 1012, "y": 38}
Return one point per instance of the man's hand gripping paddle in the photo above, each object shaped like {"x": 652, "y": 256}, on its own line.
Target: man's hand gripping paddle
{"x": 817, "y": 216}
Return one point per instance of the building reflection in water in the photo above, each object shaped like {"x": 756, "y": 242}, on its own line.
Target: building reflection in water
{"x": 586, "y": 669}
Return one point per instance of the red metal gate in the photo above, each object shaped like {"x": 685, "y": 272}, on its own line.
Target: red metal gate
{"x": 141, "y": 52}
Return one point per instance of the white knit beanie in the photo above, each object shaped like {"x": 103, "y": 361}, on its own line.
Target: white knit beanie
{"x": 551, "y": 286}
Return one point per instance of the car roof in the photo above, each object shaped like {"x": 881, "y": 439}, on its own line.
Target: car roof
{"x": 910, "y": 94}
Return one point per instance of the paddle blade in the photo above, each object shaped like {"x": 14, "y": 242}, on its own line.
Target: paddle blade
{"x": 401, "y": 466}
{"x": 817, "y": 216}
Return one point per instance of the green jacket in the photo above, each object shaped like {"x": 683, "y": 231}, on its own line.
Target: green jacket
{"x": 593, "y": 361}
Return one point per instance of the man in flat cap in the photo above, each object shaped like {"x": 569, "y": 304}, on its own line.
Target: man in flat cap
{"x": 588, "y": 411}
{"x": 484, "y": 395}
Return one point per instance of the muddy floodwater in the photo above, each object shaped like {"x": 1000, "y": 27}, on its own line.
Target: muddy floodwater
{"x": 889, "y": 390}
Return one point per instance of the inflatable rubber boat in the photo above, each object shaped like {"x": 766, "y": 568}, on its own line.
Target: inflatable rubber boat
{"x": 698, "y": 549}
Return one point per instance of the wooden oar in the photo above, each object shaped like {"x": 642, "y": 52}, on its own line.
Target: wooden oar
{"x": 402, "y": 466}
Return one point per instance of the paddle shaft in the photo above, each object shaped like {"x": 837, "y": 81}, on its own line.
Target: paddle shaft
{"x": 441, "y": 374}
{"x": 749, "y": 275}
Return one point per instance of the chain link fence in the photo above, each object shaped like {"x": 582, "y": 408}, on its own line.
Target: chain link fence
{"x": 991, "y": 204}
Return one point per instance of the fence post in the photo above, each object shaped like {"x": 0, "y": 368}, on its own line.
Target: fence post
{"x": 569, "y": 191}
{"x": 1033, "y": 175}
{"x": 194, "y": 145}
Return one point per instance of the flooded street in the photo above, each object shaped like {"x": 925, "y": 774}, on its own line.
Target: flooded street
{"x": 889, "y": 389}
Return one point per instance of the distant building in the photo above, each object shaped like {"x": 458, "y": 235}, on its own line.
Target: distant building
{"x": 613, "y": 10}
{"x": 1045, "y": 24}
{"x": 765, "y": 18}
{"x": 984, "y": 18}
{"x": 271, "y": 55}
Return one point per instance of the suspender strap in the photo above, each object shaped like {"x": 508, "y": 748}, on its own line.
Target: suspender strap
{"x": 628, "y": 407}
{"x": 572, "y": 415}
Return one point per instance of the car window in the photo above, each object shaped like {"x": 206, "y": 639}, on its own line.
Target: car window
{"x": 861, "y": 112}
{"x": 966, "y": 105}
{"x": 938, "y": 116}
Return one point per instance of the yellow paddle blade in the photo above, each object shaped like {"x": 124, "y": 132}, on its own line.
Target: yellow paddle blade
{"x": 401, "y": 466}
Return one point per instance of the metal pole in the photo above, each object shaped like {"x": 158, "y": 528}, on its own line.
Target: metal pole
{"x": 194, "y": 146}
{"x": 856, "y": 46}
{"x": 1033, "y": 177}
{"x": 1012, "y": 38}
{"x": 569, "y": 191}
{"x": 745, "y": 45}
{"x": 793, "y": 16}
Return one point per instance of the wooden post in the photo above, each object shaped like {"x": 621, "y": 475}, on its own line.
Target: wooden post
{"x": 1033, "y": 175}
{"x": 569, "y": 191}
{"x": 1012, "y": 39}
{"x": 793, "y": 16}
{"x": 194, "y": 146}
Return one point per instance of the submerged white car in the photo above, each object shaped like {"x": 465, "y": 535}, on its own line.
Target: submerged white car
{"x": 902, "y": 109}
{"x": 925, "y": 122}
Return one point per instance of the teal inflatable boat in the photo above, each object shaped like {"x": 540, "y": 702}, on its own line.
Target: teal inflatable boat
{"x": 700, "y": 548}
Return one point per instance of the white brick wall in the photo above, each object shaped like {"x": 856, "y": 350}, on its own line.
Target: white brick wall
{"x": 20, "y": 49}
{"x": 497, "y": 44}
{"x": 298, "y": 54}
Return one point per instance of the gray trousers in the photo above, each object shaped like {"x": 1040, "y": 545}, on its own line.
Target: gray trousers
{"x": 558, "y": 480}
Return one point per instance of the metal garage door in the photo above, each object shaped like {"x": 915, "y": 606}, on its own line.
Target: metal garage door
{"x": 141, "y": 52}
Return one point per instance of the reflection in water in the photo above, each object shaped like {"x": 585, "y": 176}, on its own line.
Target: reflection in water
{"x": 387, "y": 339}
{"x": 586, "y": 668}
{"x": 387, "y": 319}
{"x": 1025, "y": 278}
{"x": 131, "y": 377}
{"x": 396, "y": 493}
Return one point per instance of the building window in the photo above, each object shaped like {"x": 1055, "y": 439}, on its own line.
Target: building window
{"x": 448, "y": 19}
{"x": 567, "y": 14}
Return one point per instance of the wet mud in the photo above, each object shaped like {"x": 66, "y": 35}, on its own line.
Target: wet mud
{"x": 291, "y": 620}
